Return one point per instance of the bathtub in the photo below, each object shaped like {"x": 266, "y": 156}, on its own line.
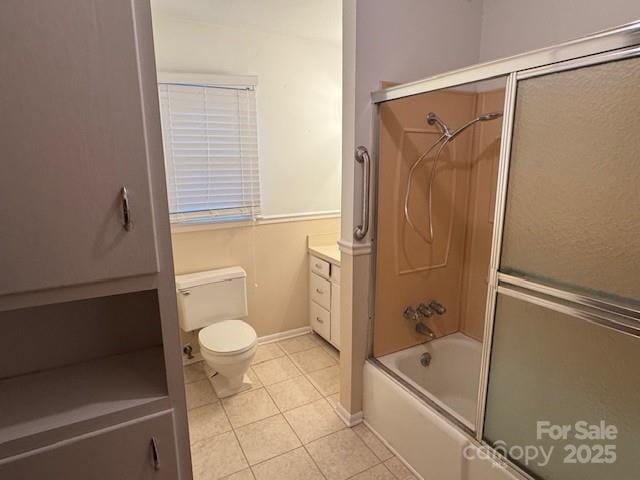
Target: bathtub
{"x": 451, "y": 379}
{"x": 426, "y": 414}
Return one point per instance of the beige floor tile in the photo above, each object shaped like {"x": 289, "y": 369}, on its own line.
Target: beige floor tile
{"x": 217, "y": 457}
{"x": 194, "y": 372}
{"x": 248, "y": 407}
{"x": 314, "y": 420}
{"x": 379, "y": 472}
{"x": 276, "y": 370}
{"x": 207, "y": 421}
{"x": 243, "y": 475}
{"x": 199, "y": 393}
{"x": 341, "y": 455}
{"x": 293, "y": 393}
{"x": 268, "y": 351}
{"x": 302, "y": 342}
{"x": 334, "y": 399}
{"x": 373, "y": 442}
{"x": 295, "y": 465}
{"x": 313, "y": 359}
{"x": 332, "y": 351}
{"x": 266, "y": 439}
{"x": 326, "y": 380}
{"x": 398, "y": 469}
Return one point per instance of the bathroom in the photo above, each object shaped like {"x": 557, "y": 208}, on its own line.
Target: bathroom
{"x": 319, "y": 239}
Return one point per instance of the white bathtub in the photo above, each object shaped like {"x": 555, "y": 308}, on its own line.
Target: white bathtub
{"x": 435, "y": 447}
{"x": 451, "y": 379}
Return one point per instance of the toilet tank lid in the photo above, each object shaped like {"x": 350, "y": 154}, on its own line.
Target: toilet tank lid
{"x": 191, "y": 280}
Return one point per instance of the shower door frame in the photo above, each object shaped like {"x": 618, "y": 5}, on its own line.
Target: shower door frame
{"x": 607, "y": 46}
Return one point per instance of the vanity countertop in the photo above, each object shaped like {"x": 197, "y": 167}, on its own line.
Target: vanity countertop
{"x": 330, "y": 253}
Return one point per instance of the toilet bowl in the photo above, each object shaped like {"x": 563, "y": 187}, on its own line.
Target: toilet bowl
{"x": 228, "y": 347}
{"x": 213, "y": 303}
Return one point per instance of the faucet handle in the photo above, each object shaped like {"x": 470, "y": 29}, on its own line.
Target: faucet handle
{"x": 410, "y": 313}
{"x": 425, "y": 310}
{"x": 437, "y": 307}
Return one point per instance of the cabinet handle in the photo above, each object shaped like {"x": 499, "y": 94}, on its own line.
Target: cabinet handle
{"x": 319, "y": 320}
{"x": 318, "y": 266}
{"x": 126, "y": 212}
{"x": 155, "y": 453}
{"x": 319, "y": 291}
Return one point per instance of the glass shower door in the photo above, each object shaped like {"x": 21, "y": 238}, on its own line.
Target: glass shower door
{"x": 564, "y": 376}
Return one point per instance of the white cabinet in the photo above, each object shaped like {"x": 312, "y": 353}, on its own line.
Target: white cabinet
{"x": 324, "y": 299}
{"x": 90, "y": 360}
{"x": 141, "y": 450}
{"x": 74, "y": 131}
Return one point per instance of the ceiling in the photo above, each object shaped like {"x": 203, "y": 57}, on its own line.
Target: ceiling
{"x": 316, "y": 19}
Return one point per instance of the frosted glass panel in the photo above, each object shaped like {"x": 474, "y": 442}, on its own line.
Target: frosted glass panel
{"x": 548, "y": 366}
{"x": 573, "y": 201}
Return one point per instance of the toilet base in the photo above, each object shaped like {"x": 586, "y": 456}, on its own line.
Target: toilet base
{"x": 223, "y": 387}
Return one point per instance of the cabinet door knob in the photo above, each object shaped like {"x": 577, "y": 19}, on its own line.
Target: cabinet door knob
{"x": 155, "y": 453}
{"x": 319, "y": 291}
{"x": 126, "y": 212}
{"x": 319, "y": 320}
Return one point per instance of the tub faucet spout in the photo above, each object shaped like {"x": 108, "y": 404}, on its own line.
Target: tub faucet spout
{"x": 422, "y": 329}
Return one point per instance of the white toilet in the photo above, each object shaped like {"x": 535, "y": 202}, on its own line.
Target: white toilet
{"x": 214, "y": 302}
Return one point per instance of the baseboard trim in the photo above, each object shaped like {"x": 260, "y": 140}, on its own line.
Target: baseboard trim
{"x": 197, "y": 357}
{"x": 393, "y": 450}
{"x": 275, "y": 337}
{"x": 349, "y": 419}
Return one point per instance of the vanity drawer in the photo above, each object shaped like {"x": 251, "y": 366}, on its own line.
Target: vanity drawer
{"x": 319, "y": 266}
{"x": 320, "y": 320}
{"x": 320, "y": 291}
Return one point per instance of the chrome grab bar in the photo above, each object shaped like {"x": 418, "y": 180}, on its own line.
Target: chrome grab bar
{"x": 126, "y": 210}
{"x": 362, "y": 156}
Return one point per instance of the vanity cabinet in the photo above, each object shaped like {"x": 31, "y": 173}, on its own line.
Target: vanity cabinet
{"x": 324, "y": 299}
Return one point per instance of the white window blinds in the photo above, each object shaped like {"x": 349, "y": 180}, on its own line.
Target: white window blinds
{"x": 211, "y": 151}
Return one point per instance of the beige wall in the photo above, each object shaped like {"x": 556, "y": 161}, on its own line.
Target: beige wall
{"x": 453, "y": 268}
{"x": 274, "y": 256}
{"x": 408, "y": 269}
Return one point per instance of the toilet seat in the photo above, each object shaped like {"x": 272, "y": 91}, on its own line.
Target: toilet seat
{"x": 228, "y": 337}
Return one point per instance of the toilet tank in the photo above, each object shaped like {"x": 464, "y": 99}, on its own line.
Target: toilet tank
{"x": 212, "y": 296}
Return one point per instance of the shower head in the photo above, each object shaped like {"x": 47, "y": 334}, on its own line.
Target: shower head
{"x": 481, "y": 118}
{"x": 489, "y": 116}
{"x": 434, "y": 119}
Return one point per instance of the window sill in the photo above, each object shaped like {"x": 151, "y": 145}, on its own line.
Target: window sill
{"x": 177, "y": 228}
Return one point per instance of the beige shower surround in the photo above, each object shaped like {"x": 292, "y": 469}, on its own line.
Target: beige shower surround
{"x": 453, "y": 269}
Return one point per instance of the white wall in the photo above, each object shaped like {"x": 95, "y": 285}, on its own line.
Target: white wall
{"x": 299, "y": 98}
{"x": 405, "y": 40}
{"x": 516, "y": 26}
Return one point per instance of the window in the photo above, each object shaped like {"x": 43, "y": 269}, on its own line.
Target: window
{"x": 211, "y": 148}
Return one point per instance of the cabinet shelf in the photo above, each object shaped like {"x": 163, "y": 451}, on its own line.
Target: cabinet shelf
{"x": 40, "y": 403}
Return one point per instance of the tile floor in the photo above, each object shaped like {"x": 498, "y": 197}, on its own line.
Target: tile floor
{"x": 285, "y": 427}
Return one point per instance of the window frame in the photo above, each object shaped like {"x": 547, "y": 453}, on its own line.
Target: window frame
{"x": 211, "y": 80}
